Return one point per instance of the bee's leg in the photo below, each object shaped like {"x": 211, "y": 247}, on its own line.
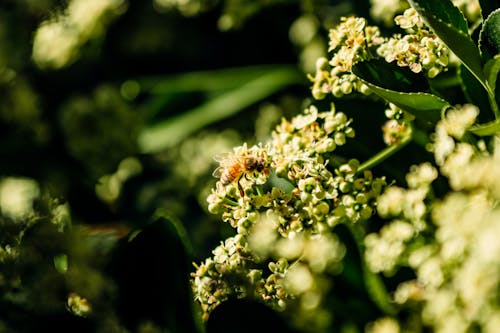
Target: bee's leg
{"x": 242, "y": 193}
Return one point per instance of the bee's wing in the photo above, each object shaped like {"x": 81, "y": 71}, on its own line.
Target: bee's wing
{"x": 224, "y": 158}
{"x": 218, "y": 172}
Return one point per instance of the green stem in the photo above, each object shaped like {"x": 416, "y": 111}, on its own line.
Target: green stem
{"x": 230, "y": 202}
{"x": 259, "y": 191}
{"x": 374, "y": 285}
{"x": 493, "y": 103}
{"x": 384, "y": 154}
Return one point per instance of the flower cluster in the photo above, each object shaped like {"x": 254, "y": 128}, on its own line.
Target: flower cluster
{"x": 398, "y": 127}
{"x": 351, "y": 41}
{"x": 471, "y": 10}
{"x": 78, "y": 305}
{"x": 394, "y": 131}
{"x": 419, "y": 49}
{"x": 450, "y": 244}
{"x": 81, "y": 21}
{"x": 231, "y": 272}
{"x": 284, "y": 198}
{"x": 100, "y": 130}
{"x": 385, "y": 10}
{"x": 22, "y": 208}
{"x": 186, "y": 7}
{"x": 408, "y": 207}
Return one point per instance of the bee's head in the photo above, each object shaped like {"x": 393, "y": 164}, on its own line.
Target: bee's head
{"x": 253, "y": 163}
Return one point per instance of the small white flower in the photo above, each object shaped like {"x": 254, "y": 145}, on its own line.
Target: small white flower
{"x": 17, "y": 196}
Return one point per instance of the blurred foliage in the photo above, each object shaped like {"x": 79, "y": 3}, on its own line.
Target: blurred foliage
{"x": 104, "y": 120}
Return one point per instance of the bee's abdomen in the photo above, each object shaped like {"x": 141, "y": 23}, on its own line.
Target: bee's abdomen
{"x": 225, "y": 179}
{"x": 230, "y": 175}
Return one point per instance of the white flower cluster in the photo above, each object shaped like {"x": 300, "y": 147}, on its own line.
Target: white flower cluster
{"x": 385, "y": 10}
{"x": 20, "y": 199}
{"x": 470, "y": 8}
{"x": 384, "y": 250}
{"x": 395, "y": 131}
{"x": 353, "y": 41}
{"x": 185, "y": 7}
{"x": 450, "y": 245}
{"x": 419, "y": 49}
{"x": 384, "y": 325}
{"x": 229, "y": 273}
{"x": 70, "y": 30}
{"x": 17, "y": 196}
{"x": 398, "y": 127}
{"x": 283, "y": 199}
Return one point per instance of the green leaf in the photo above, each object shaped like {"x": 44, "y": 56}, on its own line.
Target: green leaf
{"x": 449, "y": 24}
{"x": 474, "y": 92}
{"x": 489, "y": 37}
{"x": 151, "y": 272}
{"x": 489, "y": 42}
{"x": 219, "y": 79}
{"x": 162, "y": 214}
{"x": 390, "y": 76}
{"x": 61, "y": 263}
{"x": 488, "y": 6}
{"x": 491, "y": 70}
{"x": 169, "y": 132}
{"x": 442, "y": 10}
{"x": 486, "y": 129}
{"x": 401, "y": 87}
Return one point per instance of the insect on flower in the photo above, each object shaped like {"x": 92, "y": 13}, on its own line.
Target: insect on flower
{"x": 233, "y": 168}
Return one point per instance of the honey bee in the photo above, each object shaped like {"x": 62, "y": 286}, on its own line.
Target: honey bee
{"x": 233, "y": 168}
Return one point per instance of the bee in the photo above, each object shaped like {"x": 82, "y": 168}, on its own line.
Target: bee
{"x": 232, "y": 168}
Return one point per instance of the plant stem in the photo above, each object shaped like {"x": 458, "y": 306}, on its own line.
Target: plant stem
{"x": 230, "y": 202}
{"x": 384, "y": 154}
{"x": 493, "y": 104}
